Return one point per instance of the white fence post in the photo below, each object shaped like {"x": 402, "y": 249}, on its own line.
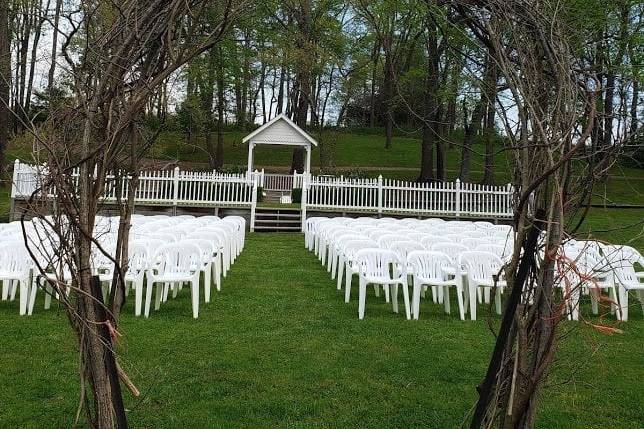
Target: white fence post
{"x": 457, "y": 201}
{"x": 304, "y": 196}
{"x": 175, "y": 181}
{"x": 380, "y": 194}
{"x": 14, "y": 180}
{"x": 253, "y": 204}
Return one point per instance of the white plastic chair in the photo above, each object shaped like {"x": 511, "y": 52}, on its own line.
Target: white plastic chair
{"x": 377, "y": 266}
{"x": 208, "y": 252}
{"x": 175, "y": 263}
{"x": 482, "y": 268}
{"x": 15, "y": 267}
{"x": 432, "y": 269}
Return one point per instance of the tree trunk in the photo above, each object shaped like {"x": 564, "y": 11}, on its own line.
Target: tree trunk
{"x": 634, "y": 104}
{"x": 489, "y": 89}
{"x": 219, "y": 159}
{"x": 5, "y": 79}
{"x": 375, "y": 57}
{"x": 280, "y": 94}
{"x": 303, "y": 40}
{"x": 468, "y": 140}
{"x": 54, "y": 48}
{"x": 431, "y": 110}
{"x": 34, "y": 52}
{"x": 388, "y": 93}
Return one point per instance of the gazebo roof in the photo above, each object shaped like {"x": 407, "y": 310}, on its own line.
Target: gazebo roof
{"x": 280, "y": 131}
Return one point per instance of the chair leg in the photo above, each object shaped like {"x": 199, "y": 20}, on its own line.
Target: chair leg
{"x": 24, "y": 297}
{"x": 158, "y": 296}
{"x": 13, "y": 287}
{"x": 362, "y": 298}
{"x": 434, "y": 294}
{"x": 394, "y": 296}
{"x": 473, "y": 291}
{"x": 33, "y": 288}
{"x": 5, "y": 289}
{"x": 138, "y": 296}
{"x": 175, "y": 289}
{"x": 194, "y": 286}
{"x": 334, "y": 265}
{"x": 486, "y": 295}
{"x": 49, "y": 290}
{"x": 459, "y": 299}
{"x": 497, "y": 300}
{"x": 387, "y": 294}
{"x": 347, "y": 285}
{"x": 206, "y": 283}
{"x": 341, "y": 265}
{"x": 148, "y": 296}
{"x": 415, "y": 300}
{"x": 405, "y": 289}
{"x": 623, "y": 303}
{"x": 595, "y": 294}
{"x": 216, "y": 266}
{"x": 446, "y": 303}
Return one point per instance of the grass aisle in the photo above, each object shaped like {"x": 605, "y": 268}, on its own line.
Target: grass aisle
{"x": 279, "y": 348}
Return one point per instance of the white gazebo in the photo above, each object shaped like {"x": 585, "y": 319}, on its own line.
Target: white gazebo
{"x": 280, "y": 131}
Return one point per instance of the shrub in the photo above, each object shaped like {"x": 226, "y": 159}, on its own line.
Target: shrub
{"x": 296, "y": 195}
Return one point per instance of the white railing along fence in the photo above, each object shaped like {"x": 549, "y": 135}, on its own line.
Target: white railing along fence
{"x": 394, "y": 196}
{"x": 162, "y": 187}
{"x": 377, "y": 196}
{"x": 279, "y": 182}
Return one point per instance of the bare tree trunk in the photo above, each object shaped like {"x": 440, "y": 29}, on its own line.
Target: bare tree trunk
{"x": 490, "y": 95}
{"x": 388, "y": 93}
{"x": 468, "y": 140}
{"x": 219, "y": 159}
{"x": 34, "y": 50}
{"x": 431, "y": 109}
{"x": 54, "y": 48}
{"x": 280, "y": 94}
{"x": 634, "y": 104}
{"x": 207, "y": 99}
{"x": 375, "y": 57}
{"x": 303, "y": 19}
{"x": 5, "y": 81}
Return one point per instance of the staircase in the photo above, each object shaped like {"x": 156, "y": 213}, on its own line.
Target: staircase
{"x": 278, "y": 219}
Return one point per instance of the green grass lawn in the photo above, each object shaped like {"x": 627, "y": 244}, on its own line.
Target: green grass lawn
{"x": 5, "y": 203}
{"x": 278, "y": 347}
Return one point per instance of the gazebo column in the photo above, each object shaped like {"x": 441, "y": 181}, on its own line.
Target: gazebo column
{"x": 251, "y": 148}
{"x": 307, "y": 168}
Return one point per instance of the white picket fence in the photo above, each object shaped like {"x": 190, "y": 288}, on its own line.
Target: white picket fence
{"x": 384, "y": 196}
{"x": 162, "y": 187}
{"x": 279, "y": 182}
{"x": 319, "y": 193}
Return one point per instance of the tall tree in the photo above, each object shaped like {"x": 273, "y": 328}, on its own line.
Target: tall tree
{"x": 5, "y": 81}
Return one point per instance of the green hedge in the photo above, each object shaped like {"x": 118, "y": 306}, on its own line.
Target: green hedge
{"x": 296, "y": 195}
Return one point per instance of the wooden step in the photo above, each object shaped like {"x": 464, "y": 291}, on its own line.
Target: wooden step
{"x": 278, "y": 219}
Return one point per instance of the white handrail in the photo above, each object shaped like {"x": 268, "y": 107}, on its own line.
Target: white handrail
{"x": 162, "y": 187}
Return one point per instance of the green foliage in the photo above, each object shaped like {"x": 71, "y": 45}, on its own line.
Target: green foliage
{"x": 296, "y": 195}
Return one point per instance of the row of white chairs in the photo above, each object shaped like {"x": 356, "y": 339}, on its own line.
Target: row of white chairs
{"x": 466, "y": 256}
{"x": 164, "y": 251}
